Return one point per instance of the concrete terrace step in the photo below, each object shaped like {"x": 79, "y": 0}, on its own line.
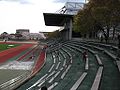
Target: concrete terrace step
{"x": 118, "y": 64}
{"x": 102, "y": 49}
{"x": 98, "y": 59}
{"x": 87, "y": 64}
{"x": 79, "y": 81}
{"x": 73, "y": 47}
{"x": 110, "y": 54}
{"x": 97, "y": 80}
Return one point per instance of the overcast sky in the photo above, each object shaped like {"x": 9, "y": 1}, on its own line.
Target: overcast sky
{"x": 27, "y": 14}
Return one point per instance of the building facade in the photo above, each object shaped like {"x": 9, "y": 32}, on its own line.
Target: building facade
{"x": 21, "y": 31}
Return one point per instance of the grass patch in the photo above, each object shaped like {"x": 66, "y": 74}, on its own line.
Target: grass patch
{"x": 7, "y": 46}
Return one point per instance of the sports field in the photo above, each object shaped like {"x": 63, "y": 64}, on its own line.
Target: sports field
{"x": 4, "y": 46}
{"x": 16, "y": 63}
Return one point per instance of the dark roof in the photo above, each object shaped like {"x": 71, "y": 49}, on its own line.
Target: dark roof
{"x": 54, "y": 19}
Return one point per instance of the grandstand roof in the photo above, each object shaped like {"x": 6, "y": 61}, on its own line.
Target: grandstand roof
{"x": 55, "y": 19}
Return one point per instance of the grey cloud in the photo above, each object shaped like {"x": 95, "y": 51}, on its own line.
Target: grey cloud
{"x": 19, "y": 1}
{"x": 63, "y": 1}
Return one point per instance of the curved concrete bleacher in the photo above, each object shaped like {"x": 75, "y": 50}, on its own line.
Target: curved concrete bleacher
{"x": 69, "y": 56}
{"x": 98, "y": 77}
{"x": 107, "y": 51}
{"x": 102, "y": 47}
{"x": 108, "y": 63}
{"x": 99, "y": 73}
{"x": 80, "y": 51}
{"x": 110, "y": 48}
{"x": 62, "y": 71}
{"x": 53, "y": 72}
{"x": 67, "y": 71}
{"x": 113, "y": 54}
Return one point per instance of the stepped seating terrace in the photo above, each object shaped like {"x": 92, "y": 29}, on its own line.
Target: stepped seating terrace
{"x": 68, "y": 69}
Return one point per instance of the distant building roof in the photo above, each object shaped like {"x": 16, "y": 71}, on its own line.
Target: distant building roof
{"x": 24, "y": 30}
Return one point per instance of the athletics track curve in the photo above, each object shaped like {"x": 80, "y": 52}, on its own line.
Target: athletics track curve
{"x": 10, "y": 53}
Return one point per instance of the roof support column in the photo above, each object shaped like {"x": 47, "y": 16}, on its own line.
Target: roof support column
{"x": 70, "y": 29}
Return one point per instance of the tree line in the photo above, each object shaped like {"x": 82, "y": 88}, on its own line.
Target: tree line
{"x": 98, "y": 15}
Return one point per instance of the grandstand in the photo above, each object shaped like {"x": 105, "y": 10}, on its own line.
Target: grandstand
{"x": 64, "y": 18}
{"x": 58, "y": 64}
{"x": 65, "y": 68}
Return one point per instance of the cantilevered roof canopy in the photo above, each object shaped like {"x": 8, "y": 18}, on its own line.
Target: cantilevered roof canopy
{"x": 53, "y": 19}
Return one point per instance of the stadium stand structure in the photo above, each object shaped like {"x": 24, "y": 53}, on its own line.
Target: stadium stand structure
{"x": 64, "y": 68}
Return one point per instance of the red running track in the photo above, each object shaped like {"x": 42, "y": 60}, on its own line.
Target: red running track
{"x": 39, "y": 63}
{"x": 23, "y": 56}
{"x": 10, "y": 53}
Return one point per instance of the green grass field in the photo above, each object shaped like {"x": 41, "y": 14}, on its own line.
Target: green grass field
{"x": 7, "y": 46}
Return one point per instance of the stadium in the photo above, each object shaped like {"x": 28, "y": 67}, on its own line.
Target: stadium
{"x": 63, "y": 62}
